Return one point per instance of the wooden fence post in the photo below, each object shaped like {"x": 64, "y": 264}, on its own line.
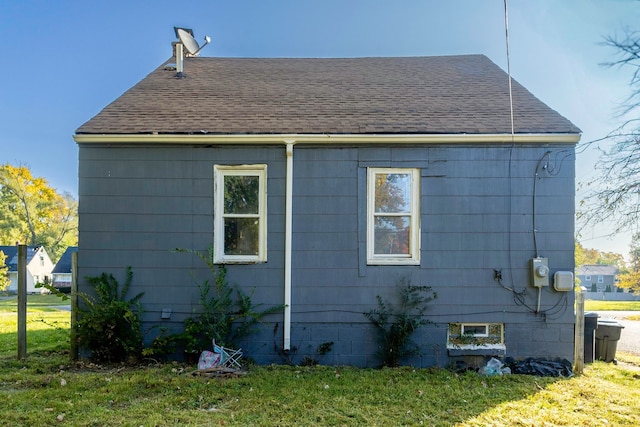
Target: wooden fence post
{"x": 73, "y": 336}
{"x": 22, "y": 302}
{"x": 579, "y": 332}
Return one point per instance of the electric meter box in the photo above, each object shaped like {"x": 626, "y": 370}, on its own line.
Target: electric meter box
{"x": 540, "y": 272}
{"x": 563, "y": 281}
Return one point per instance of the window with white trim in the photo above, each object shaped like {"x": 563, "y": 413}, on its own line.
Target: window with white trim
{"x": 475, "y": 329}
{"x": 240, "y": 207}
{"x": 393, "y": 216}
{"x": 475, "y": 336}
{"x": 600, "y": 279}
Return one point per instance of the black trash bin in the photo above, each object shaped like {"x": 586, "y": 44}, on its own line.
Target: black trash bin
{"x": 590, "y": 326}
{"x": 607, "y": 337}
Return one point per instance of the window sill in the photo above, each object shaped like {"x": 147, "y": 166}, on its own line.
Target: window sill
{"x": 477, "y": 350}
{"x": 395, "y": 261}
{"x": 238, "y": 261}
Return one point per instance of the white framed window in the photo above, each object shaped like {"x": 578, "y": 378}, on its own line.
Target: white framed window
{"x": 393, "y": 216}
{"x": 476, "y": 336}
{"x": 600, "y": 279}
{"x": 240, "y": 214}
{"x": 475, "y": 329}
{"x": 587, "y": 278}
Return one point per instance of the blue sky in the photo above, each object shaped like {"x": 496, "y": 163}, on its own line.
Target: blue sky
{"x": 63, "y": 61}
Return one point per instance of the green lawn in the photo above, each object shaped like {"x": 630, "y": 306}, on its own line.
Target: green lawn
{"x": 36, "y": 301}
{"x": 596, "y": 305}
{"x": 47, "y": 389}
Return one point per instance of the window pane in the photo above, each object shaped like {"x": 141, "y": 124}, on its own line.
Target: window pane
{"x": 478, "y": 330}
{"x": 393, "y": 192}
{"x": 241, "y": 194}
{"x": 391, "y": 235}
{"x": 241, "y": 236}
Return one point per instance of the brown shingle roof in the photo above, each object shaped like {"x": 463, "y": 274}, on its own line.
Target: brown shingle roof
{"x": 417, "y": 95}
{"x": 598, "y": 270}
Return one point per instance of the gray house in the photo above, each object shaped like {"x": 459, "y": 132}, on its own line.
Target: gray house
{"x": 597, "y": 278}
{"x": 321, "y": 183}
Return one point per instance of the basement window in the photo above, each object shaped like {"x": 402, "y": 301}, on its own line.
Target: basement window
{"x": 475, "y": 330}
{"x": 240, "y": 207}
{"x": 475, "y": 339}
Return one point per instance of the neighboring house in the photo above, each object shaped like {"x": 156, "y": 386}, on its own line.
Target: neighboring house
{"x": 602, "y": 276}
{"x": 39, "y": 267}
{"x": 62, "y": 271}
{"x": 320, "y": 183}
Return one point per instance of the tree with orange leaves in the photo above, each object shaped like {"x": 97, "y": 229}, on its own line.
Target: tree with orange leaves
{"x": 34, "y": 213}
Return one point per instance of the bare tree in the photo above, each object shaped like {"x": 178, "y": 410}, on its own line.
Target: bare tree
{"x": 615, "y": 198}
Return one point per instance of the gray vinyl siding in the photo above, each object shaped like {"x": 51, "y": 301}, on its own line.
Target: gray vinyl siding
{"x": 138, "y": 203}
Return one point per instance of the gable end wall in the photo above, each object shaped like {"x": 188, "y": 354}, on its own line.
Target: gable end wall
{"x": 138, "y": 203}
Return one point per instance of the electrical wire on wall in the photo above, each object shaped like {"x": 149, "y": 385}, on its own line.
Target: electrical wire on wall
{"x": 519, "y": 299}
{"x": 536, "y": 177}
{"x": 552, "y": 168}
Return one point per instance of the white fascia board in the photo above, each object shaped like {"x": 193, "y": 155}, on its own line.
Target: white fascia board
{"x": 530, "y": 138}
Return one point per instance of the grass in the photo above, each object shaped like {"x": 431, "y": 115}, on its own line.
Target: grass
{"x": 36, "y": 301}
{"x": 48, "y": 389}
{"x": 597, "y": 305}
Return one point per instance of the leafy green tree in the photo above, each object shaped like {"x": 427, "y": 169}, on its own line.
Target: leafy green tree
{"x": 34, "y": 213}
{"x": 611, "y": 258}
{"x": 4, "y": 278}
{"x": 585, "y": 256}
{"x": 630, "y": 278}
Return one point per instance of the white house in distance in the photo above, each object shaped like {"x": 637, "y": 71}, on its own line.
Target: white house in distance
{"x": 39, "y": 267}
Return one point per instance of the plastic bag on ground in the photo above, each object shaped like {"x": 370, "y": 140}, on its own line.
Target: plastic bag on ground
{"x": 541, "y": 367}
{"x": 495, "y": 367}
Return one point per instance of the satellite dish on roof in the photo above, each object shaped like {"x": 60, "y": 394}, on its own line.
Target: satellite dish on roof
{"x": 188, "y": 42}
{"x": 185, "y": 35}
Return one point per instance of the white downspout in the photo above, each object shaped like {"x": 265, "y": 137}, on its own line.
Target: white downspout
{"x": 287, "y": 244}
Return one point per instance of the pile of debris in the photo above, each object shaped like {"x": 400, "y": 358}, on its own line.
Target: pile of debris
{"x": 221, "y": 361}
{"x": 530, "y": 366}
